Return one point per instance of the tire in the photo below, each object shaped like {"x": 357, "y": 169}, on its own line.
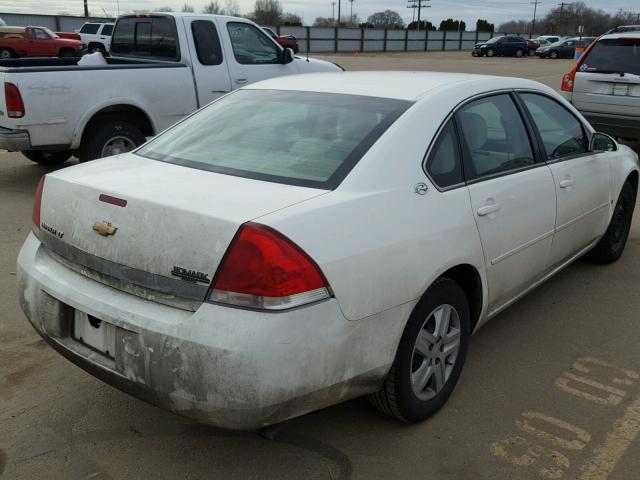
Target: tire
{"x": 67, "y": 53}
{"x": 611, "y": 245}
{"x": 398, "y": 397}
{"x": 109, "y": 136}
{"x": 97, "y": 47}
{"x": 47, "y": 158}
{"x": 490, "y": 52}
{"x": 6, "y": 53}
{"x": 519, "y": 53}
{"x": 531, "y": 52}
{"x": 553, "y": 55}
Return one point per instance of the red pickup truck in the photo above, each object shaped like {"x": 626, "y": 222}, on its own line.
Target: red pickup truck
{"x": 36, "y": 42}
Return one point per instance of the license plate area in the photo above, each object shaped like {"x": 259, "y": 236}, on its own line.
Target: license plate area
{"x": 621, "y": 89}
{"x": 94, "y": 333}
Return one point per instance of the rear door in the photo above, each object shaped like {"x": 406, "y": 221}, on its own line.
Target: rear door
{"x": 608, "y": 80}
{"x": 512, "y": 195}
{"x": 208, "y": 61}
{"x": 582, "y": 178}
{"x": 251, "y": 54}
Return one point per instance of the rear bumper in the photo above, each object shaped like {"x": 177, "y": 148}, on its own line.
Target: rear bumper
{"x": 14, "y": 140}
{"x": 614, "y": 125}
{"x": 227, "y": 367}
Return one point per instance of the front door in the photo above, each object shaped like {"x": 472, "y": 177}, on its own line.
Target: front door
{"x": 512, "y": 195}
{"x": 209, "y": 65}
{"x": 582, "y": 179}
{"x": 252, "y": 54}
{"x": 41, "y": 44}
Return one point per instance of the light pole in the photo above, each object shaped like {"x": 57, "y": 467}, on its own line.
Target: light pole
{"x": 333, "y": 12}
{"x": 351, "y": 12}
{"x": 86, "y": 9}
{"x": 533, "y": 23}
{"x": 339, "y": 13}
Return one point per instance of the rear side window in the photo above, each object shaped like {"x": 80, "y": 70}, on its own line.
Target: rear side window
{"x": 495, "y": 137}
{"x": 90, "y": 28}
{"x": 562, "y": 134}
{"x": 296, "y": 138}
{"x": 205, "y": 36}
{"x": 107, "y": 30}
{"x": 153, "y": 37}
{"x": 620, "y": 55}
{"x": 444, "y": 165}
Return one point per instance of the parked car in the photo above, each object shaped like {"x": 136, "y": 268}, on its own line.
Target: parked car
{"x": 189, "y": 61}
{"x": 286, "y": 271}
{"x": 548, "y": 38}
{"x": 564, "y": 48}
{"x": 36, "y": 42}
{"x": 72, "y": 36}
{"x": 97, "y": 36}
{"x": 287, "y": 41}
{"x": 505, "y": 46}
{"x": 604, "y": 84}
{"x": 532, "y": 46}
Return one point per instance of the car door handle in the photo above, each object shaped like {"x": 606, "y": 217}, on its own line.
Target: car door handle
{"x": 241, "y": 81}
{"x": 488, "y": 208}
{"x": 567, "y": 182}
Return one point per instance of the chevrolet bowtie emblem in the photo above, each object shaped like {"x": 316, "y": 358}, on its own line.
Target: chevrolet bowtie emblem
{"x": 105, "y": 229}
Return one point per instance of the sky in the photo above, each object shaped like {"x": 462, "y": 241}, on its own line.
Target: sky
{"x": 496, "y": 11}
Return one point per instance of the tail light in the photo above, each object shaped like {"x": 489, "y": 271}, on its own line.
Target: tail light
{"x": 264, "y": 269}
{"x": 568, "y": 79}
{"x": 37, "y": 203}
{"x": 15, "y": 106}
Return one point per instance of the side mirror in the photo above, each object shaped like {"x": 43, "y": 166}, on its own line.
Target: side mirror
{"x": 601, "y": 142}
{"x": 286, "y": 56}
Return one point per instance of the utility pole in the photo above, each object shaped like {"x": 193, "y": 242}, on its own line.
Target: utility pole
{"x": 414, "y": 6}
{"x": 533, "y": 23}
{"x": 351, "y": 11}
{"x": 86, "y": 9}
{"x": 562, "y": 4}
{"x": 418, "y": 4}
{"x": 333, "y": 12}
{"x": 339, "y": 13}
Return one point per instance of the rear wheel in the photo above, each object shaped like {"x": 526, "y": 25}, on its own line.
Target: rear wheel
{"x": 109, "y": 137}
{"x": 6, "y": 53}
{"x": 519, "y": 53}
{"x": 430, "y": 355}
{"x": 610, "y": 247}
{"x": 531, "y": 52}
{"x": 47, "y": 158}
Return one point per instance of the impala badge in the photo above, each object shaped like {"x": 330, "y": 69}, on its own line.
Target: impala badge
{"x": 105, "y": 229}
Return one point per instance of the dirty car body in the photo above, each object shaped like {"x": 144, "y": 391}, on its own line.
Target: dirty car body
{"x": 245, "y": 282}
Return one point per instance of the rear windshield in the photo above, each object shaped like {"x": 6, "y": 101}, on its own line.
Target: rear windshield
{"x": 153, "y": 37}
{"x": 620, "y": 55}
{"x": 297, "y": 138}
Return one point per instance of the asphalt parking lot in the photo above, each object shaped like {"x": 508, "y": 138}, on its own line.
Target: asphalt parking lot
{"x": 550, "y": 390}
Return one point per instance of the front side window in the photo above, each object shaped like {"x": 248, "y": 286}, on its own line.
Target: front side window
{"x": 296, "y": 138}
{"x": 205, "y": 36}
{"x": 562, "y": 134}
{"x": 38, "y": 34}
{"x": 495, "y": 137}
{"x": 90, "y": 28}
{"x": 252, "y": 46}
{"x": 444, "y": 164}
{"x": 153, "y": 37}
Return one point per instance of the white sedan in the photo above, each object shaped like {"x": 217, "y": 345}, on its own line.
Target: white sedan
{"x": 315, "y": 238}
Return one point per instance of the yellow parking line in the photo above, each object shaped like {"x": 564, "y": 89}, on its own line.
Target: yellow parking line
{"x": 606, "y": 457}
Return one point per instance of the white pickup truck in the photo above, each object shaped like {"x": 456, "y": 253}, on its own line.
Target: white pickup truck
{"x": 163, "y": 66}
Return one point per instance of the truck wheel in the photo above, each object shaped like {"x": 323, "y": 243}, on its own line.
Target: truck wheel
{"x": 47, "y": 158}
{"x": 109, "y": 137}
{"x": 67, "y": 52}
{"x": 6, "y": 53}
{"x": 97, "y": 47}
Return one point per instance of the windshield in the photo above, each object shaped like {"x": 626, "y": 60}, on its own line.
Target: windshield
{"x": 613, "y": 56}
{"x": 297, "y": 138}
{"x": 493, "y": 40}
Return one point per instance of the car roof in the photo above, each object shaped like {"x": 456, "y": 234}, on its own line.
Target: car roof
{"x": 613, "y": 36}
{"x": 409, "y": 86}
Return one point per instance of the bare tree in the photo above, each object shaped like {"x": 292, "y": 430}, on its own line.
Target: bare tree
{"x": 231, "y": 8}
{"x": 291, "y": 20}
{"x": 386, "y": 19}
{"x": 187, "y": 8}
{"x": 515, "y": 26}
{"x": 164, "y": 9}
{"x": 324, "y": 22}
{"x": 212, "y": 7}
{"x": 267, "y": 12}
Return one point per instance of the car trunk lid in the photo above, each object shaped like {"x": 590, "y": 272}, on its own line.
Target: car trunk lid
{"x": 157, "y": 226}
